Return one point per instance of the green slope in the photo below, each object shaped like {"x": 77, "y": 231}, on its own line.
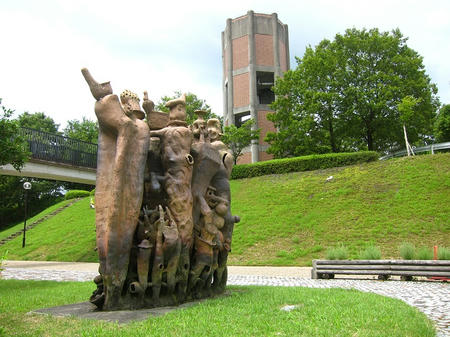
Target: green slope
{"x": 292, "y": 218}
{"x": 68, "y": 236}
{"x": 18, "y": 227}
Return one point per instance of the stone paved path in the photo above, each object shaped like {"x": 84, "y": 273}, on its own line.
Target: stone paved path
{"x": 432, "y": 298}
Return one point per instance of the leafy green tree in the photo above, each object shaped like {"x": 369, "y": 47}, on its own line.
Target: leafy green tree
{"x": 14, "y": 149}
{"x": 344, "y": 96}
{"x": 442, "y": 124}
{"x": 85, "y": 130}
{"x": 239, "y": 138}
{"x": 38, "y": 121}
{"x": 192, "y": 103}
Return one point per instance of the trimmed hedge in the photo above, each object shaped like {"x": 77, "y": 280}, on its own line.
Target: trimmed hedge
{"x": 76, "y": 194}
{"x": 305, "y": 163}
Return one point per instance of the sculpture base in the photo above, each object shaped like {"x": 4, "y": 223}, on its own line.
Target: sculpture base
{"x": 88, "y": 310}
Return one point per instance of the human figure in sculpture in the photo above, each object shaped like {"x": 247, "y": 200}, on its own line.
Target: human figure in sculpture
{"x": 214, "y": 134}
{"x": 198, "y": 127}
{"x": 175, "y": 142}
{"x": 122, "y": 152}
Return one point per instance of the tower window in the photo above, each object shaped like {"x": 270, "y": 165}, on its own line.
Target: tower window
{"x": 241, "y": 118}
{"x": 264, "y": 84}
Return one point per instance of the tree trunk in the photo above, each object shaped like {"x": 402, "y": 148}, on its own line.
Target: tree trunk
{"x": 332, "y": 137}
{"x": 369, "y": 140}
{"x": 370, "y": 145}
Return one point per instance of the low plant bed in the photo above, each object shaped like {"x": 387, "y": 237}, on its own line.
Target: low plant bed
{"x": 406, "y": 269}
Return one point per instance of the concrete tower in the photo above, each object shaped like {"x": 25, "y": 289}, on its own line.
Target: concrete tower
{"x": 255, "y": 51}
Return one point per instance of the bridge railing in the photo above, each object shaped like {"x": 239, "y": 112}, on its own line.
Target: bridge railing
{"x": 55, "y": 148}
{"x": 428, "y": 148}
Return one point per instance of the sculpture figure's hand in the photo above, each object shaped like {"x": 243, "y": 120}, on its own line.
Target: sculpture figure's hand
{"x": 98, "y": 90}
{"x": 147, "y": 104}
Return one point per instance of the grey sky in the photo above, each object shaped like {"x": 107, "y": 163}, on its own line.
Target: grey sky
{"x": 175, "y": 45}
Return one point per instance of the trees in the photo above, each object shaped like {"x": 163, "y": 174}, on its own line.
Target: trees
{"x": 239, "y": 138}
{"x": 344, "y": 96}
{"x": 192, "y": 103}
{"x": 38, "y": 121}
{"x": 442, "y": 124}
{"x": 13, "y": 147}
{"x": 85, "y": 130}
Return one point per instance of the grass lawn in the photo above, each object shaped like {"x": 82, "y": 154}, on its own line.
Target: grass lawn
{"x": 293, "y": 218}
{"x": 247, "y": 311}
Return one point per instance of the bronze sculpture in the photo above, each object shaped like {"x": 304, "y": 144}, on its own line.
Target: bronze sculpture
{"x": 163, "y": 215}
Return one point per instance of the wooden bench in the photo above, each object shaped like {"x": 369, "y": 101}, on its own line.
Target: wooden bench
{"x": 406, "y": 269}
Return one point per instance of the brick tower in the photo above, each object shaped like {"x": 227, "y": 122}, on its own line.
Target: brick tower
{"x": 255, "y": 51}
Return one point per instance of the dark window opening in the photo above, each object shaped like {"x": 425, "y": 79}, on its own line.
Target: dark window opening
{"x": 264, "y": 84}
{"x": 241, "y": 118}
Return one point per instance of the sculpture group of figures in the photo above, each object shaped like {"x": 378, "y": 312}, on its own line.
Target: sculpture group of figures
{"x": 163, "y": 217}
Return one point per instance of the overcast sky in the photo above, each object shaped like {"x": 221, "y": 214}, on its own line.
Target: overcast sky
{"x": 163, "y": 46}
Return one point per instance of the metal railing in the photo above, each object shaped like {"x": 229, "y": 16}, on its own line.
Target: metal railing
{"x": 429, "y": 148}
{"x": 55, "y": 148}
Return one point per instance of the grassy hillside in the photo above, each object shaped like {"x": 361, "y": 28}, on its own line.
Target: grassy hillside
{"x": 19, "y": 226}
{"x": 68, "y": 236}
{"x": 292, "y": 218}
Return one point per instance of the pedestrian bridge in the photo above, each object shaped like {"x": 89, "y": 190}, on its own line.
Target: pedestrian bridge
{"x": 57, "y": 158}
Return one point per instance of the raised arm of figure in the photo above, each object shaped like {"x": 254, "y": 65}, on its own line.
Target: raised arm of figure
{"x": 107, "y": 108}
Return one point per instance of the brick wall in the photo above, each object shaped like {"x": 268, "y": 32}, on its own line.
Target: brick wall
{"x": 282, "y": 51}
{"x": 241, "y": 90}
{"x": 265, "y": 125}
{"x": 240, "y": 52}
{"x": 263, "y": 156}
{"x": 264, "y": 50}
{"x": 246, "y": 158}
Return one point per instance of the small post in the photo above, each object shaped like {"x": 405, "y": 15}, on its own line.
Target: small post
{"x": 26, "y": 187}
{"x": 406, "y": 140}
{"x": 435, "y": 252}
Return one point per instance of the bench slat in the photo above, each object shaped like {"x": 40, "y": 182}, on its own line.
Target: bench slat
{"x": 383, "y": 267}
{"x": 384, "y": 262}
{"x": 384, "y": 272}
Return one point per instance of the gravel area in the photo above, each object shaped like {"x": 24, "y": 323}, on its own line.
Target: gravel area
{"x": 432, "y": 298}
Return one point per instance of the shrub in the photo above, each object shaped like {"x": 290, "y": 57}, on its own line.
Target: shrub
{"x": 370, "y": 253}
{"x": 305, "y": 163}
{"x": 407, "y": 251}
{"x": 92, "y": 193}
{"x": 424, "y": 253}
{"x": 337, "y": 253}
{"x": 76, "y": 194}
{"x": 444, "y": 253}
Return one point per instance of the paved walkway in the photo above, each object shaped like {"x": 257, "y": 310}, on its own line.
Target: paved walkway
{"x": 432, "y": 298}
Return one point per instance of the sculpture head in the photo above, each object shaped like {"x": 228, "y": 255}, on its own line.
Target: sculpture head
{"x": 177, "y": 108}
{"x": 130, "y": 103}
{"x": 199, "y": 125}
{"x": 222, "y": 208}
{"x": 214, "y": 129}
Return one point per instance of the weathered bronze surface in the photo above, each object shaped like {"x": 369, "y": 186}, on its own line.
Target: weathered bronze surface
{"x": 163, "y": 216}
